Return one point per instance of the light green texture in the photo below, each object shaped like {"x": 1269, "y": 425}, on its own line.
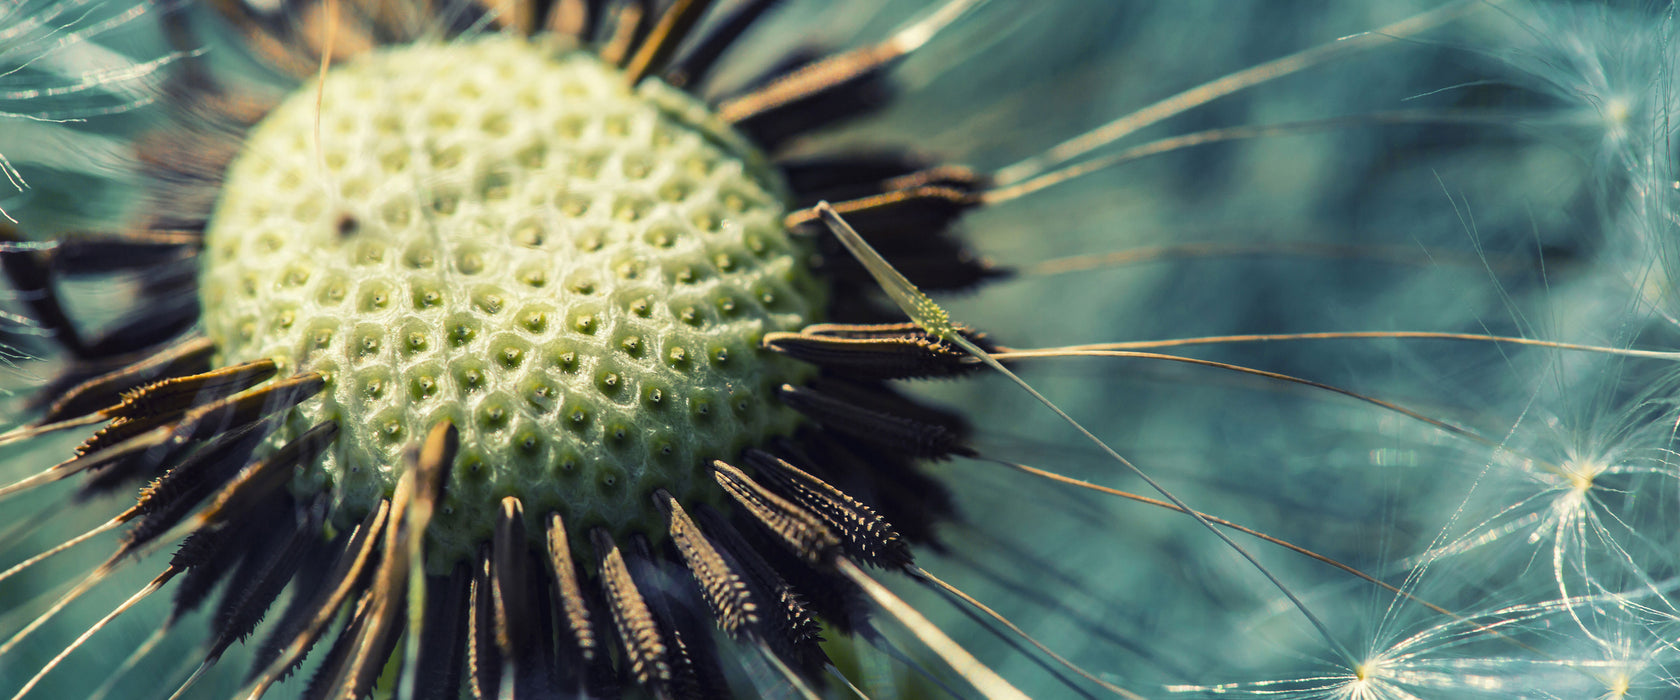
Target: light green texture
{"x": 504, "y": 235}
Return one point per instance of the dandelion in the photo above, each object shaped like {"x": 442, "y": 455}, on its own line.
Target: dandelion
{"x": 504, "y": 348}
{"x": 380, "y": 309}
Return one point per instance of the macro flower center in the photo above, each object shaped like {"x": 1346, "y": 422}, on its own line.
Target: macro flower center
{"x": 503, "y": 234}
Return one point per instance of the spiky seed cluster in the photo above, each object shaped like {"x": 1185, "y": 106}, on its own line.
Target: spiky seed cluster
{"x": 502, "y": 234}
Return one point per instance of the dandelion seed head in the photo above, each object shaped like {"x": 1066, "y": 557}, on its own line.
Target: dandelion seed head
{"x": 501, "y": 233}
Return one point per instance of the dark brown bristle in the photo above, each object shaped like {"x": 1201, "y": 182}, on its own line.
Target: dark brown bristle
{"x": 188, "y": 357}
{"x": 645, "y": 649}
{"x": 247, "y": 408}
{"x": 340, "y": 653}
{"x": 268, "y": 477}
{"x": 789, "y": 627}
{"x": 839, "y": 87}
{"x": 883, "y": 331}
{"x": 692, "y": 68}
{"x": 443, "y": 637}
{"x": 207, "y": 555}
{"x": 373, "y": 635}
{"x": 866, "y": 535}
{"x": 573, "y": 606}
{"x": 837, "y": 177}
{"x": 169, "y": 308}
{"x": 696, "y": 670}
{"x": 175, "y": 396}
{"x": 585, "y": 661}
{"x": 732, "y": 602}
{"x": 916, "y": 211}
{"x": 628, "y": 24}
{"x": 914, "y": 355}
{"x": 200, "y": 421}
{"x": 794, "y": 527}
{"x": 576, "y": 18}
{"x": 484, "y": 658}
{"x": 108, "y": 252}
{"x": 265, "y": 574}
{"x": 518, "y": 16}
{"x": 883, "y": 397}
{"x": 835, "y": 601}
{"x": 895, "y": 432}
{"x": 306, "y": 590}
{"x": 380, "y": 618}
{"x": 173, "y": 496}
{"x": 507, "y": 574}
{"x": 348, "y": 579}
{"x": 673, "y": 25}
{"x": 515, "y": 605}
{"x": 897, "y": 487}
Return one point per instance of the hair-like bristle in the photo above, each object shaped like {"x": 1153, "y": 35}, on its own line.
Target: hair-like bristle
{"x": 579, "y": 19}
{"x": 629, "y": 22}
{"x": 833, "y": 89}
{"x": 172, "y": 497}
{"x": 900, "y": 433}
{"x": 788, "y": 626}
{"x": 443, "y": 636}
{"x": 895, "y": 485}
{"x": 484, "y": 657}
{"x": 171, "y": 397}
{"x": 516, "y": 607}
{"x": 585, "y": 659}
{"x": 866, "y": 535}
{"x": 920, "y": 210}
{"x": 958, "y": 177}
{"x": 266, "y": 571}
{"x": 675, "y": 22}
{"x": 733, "y": 602}
{"x": 188, "y": 357}
{"x": 573, "y": 605}
{"x": 646, "y": 651}
{"x": 794, "y": 527}
{"x": 104, "y": 252}
{"x": 696, "y": 670}
{"x": 347, "y": 579}
{"x": 691, "y": 69}
{"x": 908, "y": 355}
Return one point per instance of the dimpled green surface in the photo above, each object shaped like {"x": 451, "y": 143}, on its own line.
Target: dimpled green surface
{"x": 502, "y": 234}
